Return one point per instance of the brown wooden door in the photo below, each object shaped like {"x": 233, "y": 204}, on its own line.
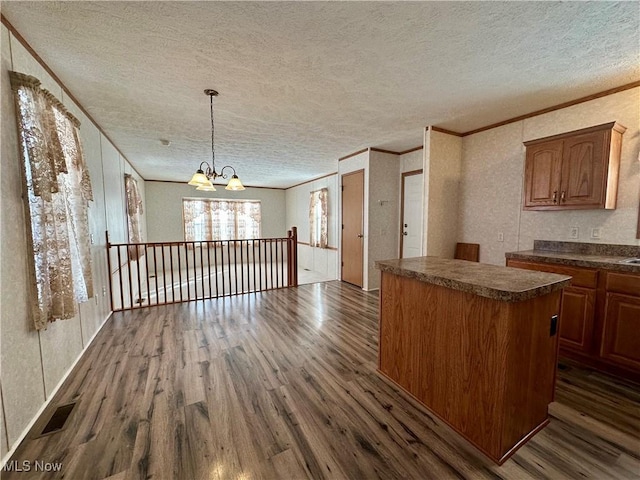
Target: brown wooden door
{"x": 583, "y": 169}
{"x": 621, "y": 336}
{"x": 577, "y": 314}
{"x": 353, "y": 227}
{"x": 543, "y": 168}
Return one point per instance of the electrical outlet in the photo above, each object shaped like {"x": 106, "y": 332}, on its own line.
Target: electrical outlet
{"x": 573, "y": 233}
{"x": 595, "y": 233}
{"x": 501, "y": 237}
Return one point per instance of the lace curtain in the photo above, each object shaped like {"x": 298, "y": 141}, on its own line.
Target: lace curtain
{"x": 58, "y": 190}
{"x": 318, "y": 218}
{"x": 134, "y": 210}
{"x": 207, "y": 219}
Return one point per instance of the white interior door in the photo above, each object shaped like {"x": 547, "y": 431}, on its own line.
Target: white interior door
{"x": 411, "y": 232}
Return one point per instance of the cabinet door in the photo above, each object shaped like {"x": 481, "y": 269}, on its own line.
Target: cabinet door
{"x": 542, "y": 174}
{"x": 583, "y": 170}
{"x": 621, "y": 336}
{"x": 577, "y": 313}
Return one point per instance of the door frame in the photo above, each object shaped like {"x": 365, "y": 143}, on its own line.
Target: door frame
{"x": 342, "y": 225}
{"x": 404, "y": 175}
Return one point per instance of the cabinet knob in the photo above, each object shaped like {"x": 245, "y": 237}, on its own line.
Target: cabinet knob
{"x": 360, "y": 235}
{"x": 555, "y": 196}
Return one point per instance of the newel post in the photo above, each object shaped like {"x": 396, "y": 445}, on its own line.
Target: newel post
{"x": 292, "y": 255}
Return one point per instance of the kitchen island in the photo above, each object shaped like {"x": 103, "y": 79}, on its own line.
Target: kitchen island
{"x": 475, "y": 343}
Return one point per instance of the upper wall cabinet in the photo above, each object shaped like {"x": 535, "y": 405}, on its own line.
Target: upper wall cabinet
{"x": 574, "y": 170}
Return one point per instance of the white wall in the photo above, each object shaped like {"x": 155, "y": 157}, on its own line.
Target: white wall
{"x": 321, "y": 260}
{"x": 443, "y": 160}
{"x": 33, "y": 363}
{"x": 164, "y": 208}
{"x": 492, "y": 182}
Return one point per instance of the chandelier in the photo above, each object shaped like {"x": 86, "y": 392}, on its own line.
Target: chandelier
{"x": 203, "y": 176}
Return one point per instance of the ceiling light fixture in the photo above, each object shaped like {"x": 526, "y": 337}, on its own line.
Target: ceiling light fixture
{"x": 202, "y": 178}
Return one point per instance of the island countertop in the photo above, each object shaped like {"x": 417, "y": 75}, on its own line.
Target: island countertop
{"x": 490, "y": 281}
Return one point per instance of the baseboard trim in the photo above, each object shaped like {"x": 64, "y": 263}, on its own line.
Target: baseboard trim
{"x": 46, "y": 403}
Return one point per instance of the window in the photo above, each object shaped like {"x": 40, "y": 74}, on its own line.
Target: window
{"x": 212, "y": 219}
{"x": 58, "y": 190}
{"x": 318, "y": 218}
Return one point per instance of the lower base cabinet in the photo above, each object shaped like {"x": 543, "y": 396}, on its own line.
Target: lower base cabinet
{"x": 599, "y": 317}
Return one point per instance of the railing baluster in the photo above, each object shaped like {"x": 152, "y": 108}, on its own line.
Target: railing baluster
{"x": 138, "y": 272}
{"x": 229, "y": 264}
{"x": 146, "y": 266}
{"x": 248, "y": 267}
{"x": 281, "y": 242}
{"x": 119, "y": 270}
{"x": 173, "y": 281}
{"x": 275, "y": 243}
{"x": 130, "y": 277}
{"x": 209, "y": 266}
{"x": 155, "y": 272}
{"x": 164, "y": 276}
{"x": 195, "y": 276}
{"x": 241, "y": 267}
{"x": 253, "y": 260}
{"x": 179, "y": 251}
{"x": 201, "y": 270}
{"x": 215, "y": 260}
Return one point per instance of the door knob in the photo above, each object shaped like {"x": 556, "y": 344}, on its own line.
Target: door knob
{"x": 360, "y": 235}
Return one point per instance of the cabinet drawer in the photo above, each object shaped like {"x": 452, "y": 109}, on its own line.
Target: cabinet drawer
{"x": 623, "y": 283}
{"x": 582, "y": 277}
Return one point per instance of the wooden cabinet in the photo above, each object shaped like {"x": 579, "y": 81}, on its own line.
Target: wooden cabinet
{"x": 621, "y": 326}
{"x": 578, "y": 304}
{"x": 599, "y": 317}
{"x": 574, "y": 170}
{"x": 577, "y": 313}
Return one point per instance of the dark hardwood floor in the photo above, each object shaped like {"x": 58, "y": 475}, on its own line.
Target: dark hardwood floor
{"x": 283, "y": 385}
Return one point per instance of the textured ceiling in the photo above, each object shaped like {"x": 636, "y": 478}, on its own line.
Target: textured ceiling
{"x": 304, "y": 83}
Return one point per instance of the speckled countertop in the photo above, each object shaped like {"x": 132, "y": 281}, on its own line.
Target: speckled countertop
{"x": 490, "y": 281}
{"x": 575, "y": 254}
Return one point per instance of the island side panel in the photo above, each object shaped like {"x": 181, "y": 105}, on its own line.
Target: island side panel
{"x": 531, "y": 372}
{"x": 400, "y": 355}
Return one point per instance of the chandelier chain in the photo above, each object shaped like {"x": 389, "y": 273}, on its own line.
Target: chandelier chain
{"x": 213, "y": 148}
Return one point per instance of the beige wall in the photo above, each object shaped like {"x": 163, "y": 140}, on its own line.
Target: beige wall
{"x": 443, "y": 161}
{"x": 320, "y": 260}
{"x": 164, "y": 208}
{"x": 492, "y": 182}
{"x": 384, "y": 212}
{"x": 34, "y": 363}
{"x": 412, "y": 161}
{"x": 381, "y": 209}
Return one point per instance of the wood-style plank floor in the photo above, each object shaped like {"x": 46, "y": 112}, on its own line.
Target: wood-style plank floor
{"x": 283, "y": 385}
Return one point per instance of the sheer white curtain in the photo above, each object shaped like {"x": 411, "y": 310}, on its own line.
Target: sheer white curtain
{"x": 134, "y": 211}
{"x": 318, "y": 218}
{"x": 213, "y": 219}
{"x": 58, "y": 190}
